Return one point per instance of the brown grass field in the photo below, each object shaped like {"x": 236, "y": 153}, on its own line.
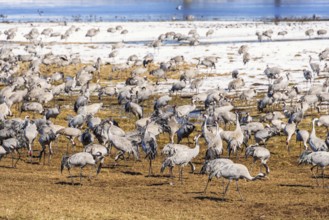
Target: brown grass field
{"x": 37, "y": 191}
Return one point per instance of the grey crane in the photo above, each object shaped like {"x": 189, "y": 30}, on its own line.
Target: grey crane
{"x": 321, "y": 32}
{"x": 323, "y": 55}
{"x": 32, "y": 106}
{"x": 149, "y": 146}
{"x": 246, "y": 58}
{"x": 57, "y": 77}
{"x": 207, "y": 135}
{"x": 268, "y": 34}
{"x": 263, "y": 135}
{"x": 134, "y": 108}
{"x": 259, "y": 153}
{"x": 81, "y": 160}
{"x": 12, "y": 145}
{"x": 209, "y": 32}
{"x": 170, "y": 149}
{"x": 282, "y": 33}
{"x": 148, "y": 59}
{"x": 236, "y": 84}
{"x": 309, "y": 32}
{"x": 316, "y": 159}
{"x": 243, "y": 49}
{"x": 92, "y": 33}
{"x": 314, "y": 66}
{"x": 46, "y": 138}
{"x": 30, "y": 132}
{"x": 289, "y": 130}
{"x": 246, "y": 119}
{"x": 159, "y": 74}
{"x": 162, "y": 102}
{"x": 184, "y": 131}
{"x": 184, "y": 110}
{"x": 307, "y": 75}
{"x": 196, "y": 84}
{"x": 52, "y": 112}
{"x": 206, "y": 63}
{"x": 234, "y": 172}
{"x": 272, "y": 73}
{"x": 235, "y": 74}
{"x": 96, "y": 150}
{"x": 86, "y": 137}
{"x": 189, "y": 74}
{"x": 98, "y": 65}
{"x": 92, "y": 121}
{"x": 316, "y": 143}
{"x": 215, "y": 146}
{"x": 76, "y": 121}
{"x": 178, "y": 86}
{"x": 173, "y": 127}
{"x": 211, "y": 165}
{"x": 181, "y": 158}
{"x": 264, "y": 102}
{"x": 122, "y": 144}
{"x": 5, "y": 110}
{"x": 70, "y": 133}
{"x": 233, "y": 138}
{"x": 323, "y": 121}
{"x": 302, "y": 136}
{"x": 101, "y": 131}
{"x": 90, "y": 109}
{"x": 252, "y": 127}
{"x": 259, "y": 36}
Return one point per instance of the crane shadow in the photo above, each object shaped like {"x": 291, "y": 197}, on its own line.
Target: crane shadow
{"x": 154, "y": 176}
{"x": 210, "y": 198}
{"x": 112, "y": 166}
{"x": 320, "y": 177}
{"x": 63, "y": 183}
{"x": 33, "y": 162}
{"x": 157, "y": 184}
{"x": 7, "y": 167}
{"x": 296, "y": 185}
{"x": 132, "y": 173}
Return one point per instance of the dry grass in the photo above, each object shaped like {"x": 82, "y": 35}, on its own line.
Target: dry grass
{"x": 37, "y": 191}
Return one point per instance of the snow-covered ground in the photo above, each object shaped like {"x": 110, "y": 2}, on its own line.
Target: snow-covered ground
{"x": 291, "y": 52}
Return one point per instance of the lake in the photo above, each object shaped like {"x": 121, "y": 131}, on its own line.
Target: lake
{"x": 152, "y": 10}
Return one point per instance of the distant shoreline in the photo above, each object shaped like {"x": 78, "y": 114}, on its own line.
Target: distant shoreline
{"x": 63, "y": 20}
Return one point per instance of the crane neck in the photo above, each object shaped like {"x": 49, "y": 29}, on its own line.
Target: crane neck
{"x": 313, "y": 127}
{"x": 197, "y": 146}
{"x": 238, "y": 128}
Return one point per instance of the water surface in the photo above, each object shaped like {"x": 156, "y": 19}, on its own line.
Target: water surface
{"x": 155, "y": 10}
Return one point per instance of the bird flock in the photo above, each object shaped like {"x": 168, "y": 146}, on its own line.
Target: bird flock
{"x": 229, "y": 121}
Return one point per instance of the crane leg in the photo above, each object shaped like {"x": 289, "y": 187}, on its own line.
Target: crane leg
{"x": 226, "y": 189}
{"x": 237, "y": 189}
{"x": 323, "y": 177}
{"x": 99, "y": 168}
{"x": 19, "y": 157}
{"x": 12, "y": 159}
{"x": 150, "y": 168}
{"x": 205, "y": 189}
{"x": 192, "y": 166}
{"x": 50, "y": 153}
{"x": 44, "y": 156}
{"x": 300, "y": 147}
{"x": 314, "y": 174}
{"x": 171, "y": 174}
{"x": 81, "y": 176}
{"x": 181, "y": 174}
{"x": 70, "y": 176}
